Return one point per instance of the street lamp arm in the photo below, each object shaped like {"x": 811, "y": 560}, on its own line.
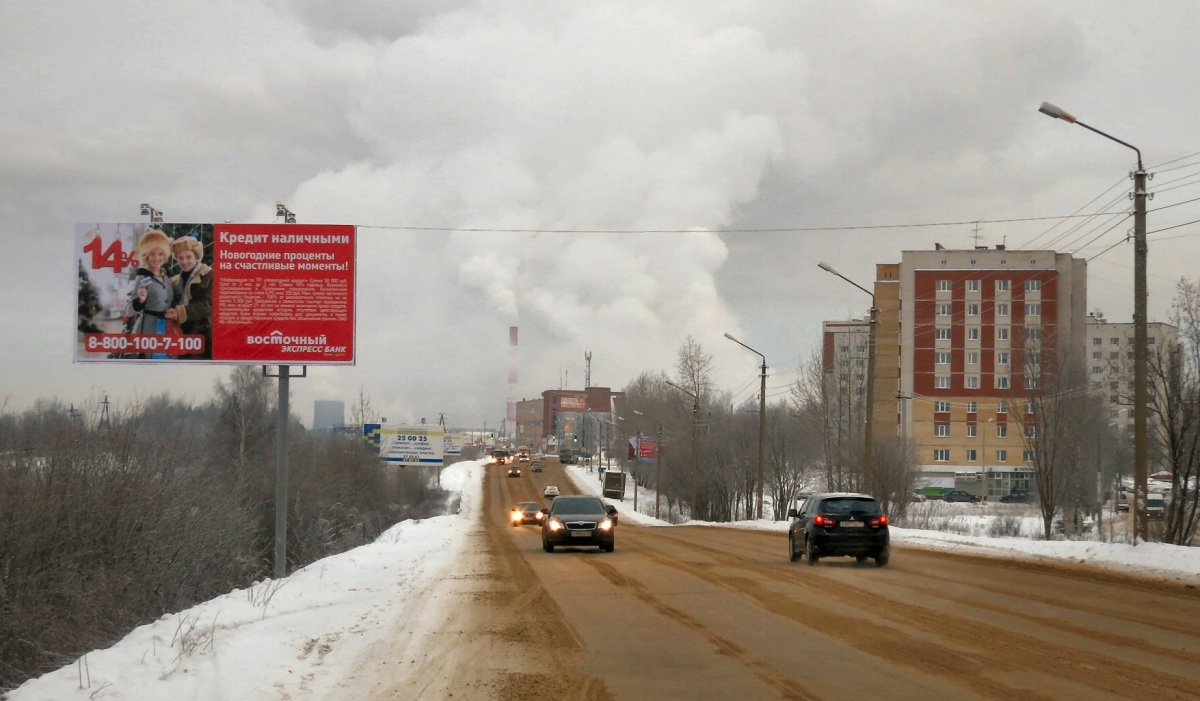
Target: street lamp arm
{"x": 743, "y": 345}
{"x": 827, "y": 268}
{"x": 685, "y": 391}
{"x": 1059, "y": 113}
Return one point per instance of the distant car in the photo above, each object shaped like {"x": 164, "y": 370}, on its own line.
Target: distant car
{"x": 523, "y": 458}
{"x": 526, "y": 512}
{"x": 537, "y": 466}
{"x": 579, "y": 520}
{"x": 960, "y": 495}
{"x": 1017, "y": 496}
{"x": 916, "y": 497}
{"x": 514, "y": 471}
{"x": 550, "y": 491}
{"x": 1156, "y": 507}
{"x": 839, "y": 524}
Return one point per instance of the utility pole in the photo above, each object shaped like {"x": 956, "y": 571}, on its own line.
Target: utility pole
{"x": 695, "y": 457}
{"x": 1141, "y": 473}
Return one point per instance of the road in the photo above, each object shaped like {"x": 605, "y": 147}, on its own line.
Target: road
{"x": 711, "y": 613}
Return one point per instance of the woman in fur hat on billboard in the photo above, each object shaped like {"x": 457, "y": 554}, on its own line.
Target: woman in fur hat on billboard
{"x": 152, "y": 295}
{"x": 193, "y": 292}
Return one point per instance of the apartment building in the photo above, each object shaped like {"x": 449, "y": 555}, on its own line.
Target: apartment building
{"x": 1110, "y": 358}
{"x": 962, "y": 336}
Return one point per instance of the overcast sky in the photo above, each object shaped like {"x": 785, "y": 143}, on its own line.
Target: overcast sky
{"x": 712, "y": 118}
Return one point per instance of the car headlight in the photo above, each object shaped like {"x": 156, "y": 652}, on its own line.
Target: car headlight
{"x": 605, "y": 525}
{"x": 554, "y": 524}
{"x": 516, "y": 515}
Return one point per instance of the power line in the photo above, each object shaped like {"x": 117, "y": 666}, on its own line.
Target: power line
{"x": 698, "y": 230}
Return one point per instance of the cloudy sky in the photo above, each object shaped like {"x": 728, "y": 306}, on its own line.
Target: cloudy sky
{"x": 730, "y": 146}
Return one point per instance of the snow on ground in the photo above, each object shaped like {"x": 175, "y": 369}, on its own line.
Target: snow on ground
{"x": 303, "y": 636}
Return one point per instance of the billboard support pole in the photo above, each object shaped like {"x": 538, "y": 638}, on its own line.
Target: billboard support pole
{"x": 281, "y": 444}
{"x": 281, "y": 464}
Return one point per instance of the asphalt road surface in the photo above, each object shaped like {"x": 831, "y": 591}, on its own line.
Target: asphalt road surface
{"x": 700, "y": 613}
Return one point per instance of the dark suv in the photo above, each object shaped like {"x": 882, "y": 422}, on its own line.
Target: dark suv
{"x": 579, "y": 520}
{"x": 839, "y": 524}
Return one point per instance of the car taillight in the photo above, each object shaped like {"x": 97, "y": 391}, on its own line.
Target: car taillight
{"x": 881, "y": 521}
{"x": 825, "y": 521}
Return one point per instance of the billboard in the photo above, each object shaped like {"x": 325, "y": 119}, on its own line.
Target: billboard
{"x": 453, "y": 444}
{"x": 572, "y": 403}
{"x": 223, "y": 293}
{"x": 643, "y": 449}
{"x": 407, "y": 445}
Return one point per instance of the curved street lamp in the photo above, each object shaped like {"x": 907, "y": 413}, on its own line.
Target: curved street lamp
{"x": 868, "y": 438}
{"x": 1140, "y": 442}
{"x": 762, "y": 420}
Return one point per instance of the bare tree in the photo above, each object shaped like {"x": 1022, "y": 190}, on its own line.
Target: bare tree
{"x": 831, "y": 398}
{"x": 1175, "y": 406}
{"x": 362, "y": 412}
{"x": 1053, "y": 421}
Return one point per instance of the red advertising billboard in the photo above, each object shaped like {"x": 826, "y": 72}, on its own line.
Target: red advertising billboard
{"x": 643, "y": 449}
{"x": 572, "y": 403}
{"x": 221, "y": 293}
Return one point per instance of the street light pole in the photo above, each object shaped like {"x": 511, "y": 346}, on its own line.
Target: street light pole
{"x": 695, "y": 424}
{"x": 868, "y": 428}
{"x": 762, "y": 420}
{"x": 1140, "y": 354}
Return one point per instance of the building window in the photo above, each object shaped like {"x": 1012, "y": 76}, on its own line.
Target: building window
{"x": 1097, "y": 355}
{"x": 943, "y": 285}
{"x": 1028, "y": 456}
{"x": 1001, "y": 456}
{"x": 972, "y": 309}
{"x": 1001, "y": 407}
{"x": 1033, "y": 309}
{"x": 972, "y": 456}
{"x": 972, "y": 408}
{"x": 1002, "y": 285}
{"x": 1032, "y": 333}
{"x": 1033, "y": 285}
{"x": 941, "y": 430}
{"x": 972, "y": 430}
{"x": 1001, "y": 333}
{"x": 942, "y": 334}
{"x": 972, "y": 285}
{"x": 1033, "y": 357}
{"x": 973, "y": 333}
{"x": 945, "y": 309}
{"x": 1149, "y": 340}
{"x": 1030, "y": 408}
{"x": 1001, "y": 308}
{"x": 1096, "y": 369}
{"x": 1131, "y": 355}
{"x": 1001, "y": 382}
{"x": 1097, "y": 341}
{"x": 941, "y": 406}
{"x": 1002, "y": 357}
{"x": 1114, "y": 341}
{"x": 941, "y": 455}
{"x": 1033, "y": 382}
{"x": 972, "y": 381}
{"x": 1030, "y": 431}
{"x": 1002, "y": 430}
{"x": 941, "y": 358}
{"x": 972, "y": 357}
{"x": 942, "y": 382}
